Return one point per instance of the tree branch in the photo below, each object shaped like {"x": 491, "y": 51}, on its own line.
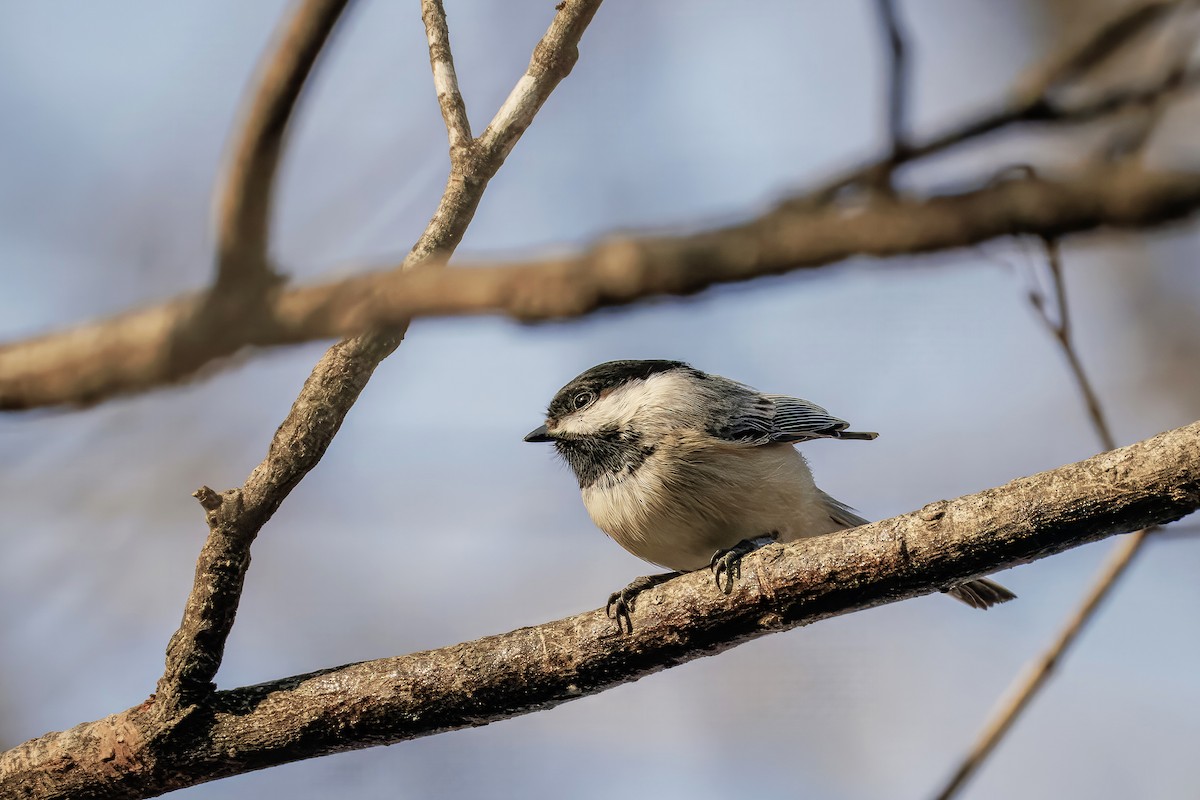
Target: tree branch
{"x": 236, "y": 516}
{"x": 150, "y": 347}
{"x": 1023, "y": 108}
{"x": 898, "y": 78}
{"x": 157, "y": 345}
{"x": 138, "y": 754}
{"x": 244, "y": 198}
{"x": 445, "y": 79}
{"x": 1035, "y": 676}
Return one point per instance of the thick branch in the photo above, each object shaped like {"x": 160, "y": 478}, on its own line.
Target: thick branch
{"x": 161, "y": 344}
{"x": 136, "y": 754}
{"x": 235, "y": 517}
{"x": 244, "y": 199}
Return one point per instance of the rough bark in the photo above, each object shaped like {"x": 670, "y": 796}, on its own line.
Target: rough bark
{"x": 139, "y": 753}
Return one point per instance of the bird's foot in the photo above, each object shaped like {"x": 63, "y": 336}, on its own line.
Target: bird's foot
{"x": 728, "y": 563}
{"x": 620, "y": 604}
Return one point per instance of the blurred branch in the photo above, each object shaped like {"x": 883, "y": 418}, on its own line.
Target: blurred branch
{"x": 1035, "y": 675}
{"x": 244, "y": 198}
{"x": 1034, "y": 105}
{"x": 137, "y": 753}
{"x": 150, "y": 347}
{"x": 235, "y": 517}
{"x": 1070, "y": 64}
{"x": 898, "y": 79}
{"x": 153, "y": 346}
{"x": 1171, "y": 59}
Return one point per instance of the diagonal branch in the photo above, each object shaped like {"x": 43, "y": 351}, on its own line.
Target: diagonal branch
{"x": 149, "y": 347}
{"x": 1035, "y": 676}
{"x": 1022, "y": 109}
{"x": 136, "y": 754}
{"x": 244, "y": 199}
{"x": 137, "y": 350}
{"x": 236, "y": 516}
{"x": 445, "y": 79}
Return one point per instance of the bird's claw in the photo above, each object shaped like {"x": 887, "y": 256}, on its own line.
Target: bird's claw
{"x": 618, "y": 607}
{"x": 620, "y": 604}
{"x": 728, "y": 563}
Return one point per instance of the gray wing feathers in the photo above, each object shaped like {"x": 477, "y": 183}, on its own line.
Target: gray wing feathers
{"x": 797, "y": 420}
{"x": 740, "y": 414}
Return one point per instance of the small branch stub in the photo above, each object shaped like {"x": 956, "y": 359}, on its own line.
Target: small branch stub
{"x": 209, "y": 500}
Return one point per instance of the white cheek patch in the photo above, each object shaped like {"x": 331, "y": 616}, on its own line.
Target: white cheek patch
{"x": 660, "y": 394}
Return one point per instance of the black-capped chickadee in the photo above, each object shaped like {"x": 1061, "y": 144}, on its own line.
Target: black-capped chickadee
{"x": 689, "y": 470}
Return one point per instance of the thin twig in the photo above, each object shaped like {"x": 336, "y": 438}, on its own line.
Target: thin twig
{"x": 243, "y": 207}
{"x": 445, "y": 79}
{"x": 236, "y": 516}
{"x": 552, "y": 59}
{"x": 1174, "y": 57}
{"x": 1053, "y": 312}
{"x": 1030, "y": 111}
{"x": 1058, "y": 324}
{"x": 1070, "y": 64}
{"x": 475, "y": 683}
{"x": 1031, "y": 100}
{"x": 1034, "y": 676}
{"x": 898, "y": 78}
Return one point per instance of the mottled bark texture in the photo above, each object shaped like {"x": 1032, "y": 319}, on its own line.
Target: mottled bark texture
{"x": 138, "y": 753}
{"x": 236, "y": 516}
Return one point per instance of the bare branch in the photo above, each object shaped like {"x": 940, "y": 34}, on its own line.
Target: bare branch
{"x": 138, "y": 754}
{"x": 445, "y": 79}
{"x": 1034, "y": 677}
{"x": 1058, "y": 324}
{"x": 1072, "y": 63}
{"x": 195, "y": 651}
{"x": 898, "y": 78}
{"x": 244, "y": 199}
{"x": 1171, "y": 60}
{"x": 1022, "y": 109}
{"x": 144, "y": 348}
{"x": 158, "y": 345}
{"x": 552, "y": 60}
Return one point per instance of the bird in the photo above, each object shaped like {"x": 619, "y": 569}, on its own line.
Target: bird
{"x": 689, "y": 470}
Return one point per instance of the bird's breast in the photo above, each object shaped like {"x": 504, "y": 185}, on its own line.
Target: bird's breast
{"x": 684, "y": 503}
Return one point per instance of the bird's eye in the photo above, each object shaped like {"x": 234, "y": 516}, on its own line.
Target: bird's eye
{"x": 582, "y": 399}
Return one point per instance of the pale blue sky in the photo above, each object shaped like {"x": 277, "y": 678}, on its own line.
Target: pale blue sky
{"x": 430, "y": 521}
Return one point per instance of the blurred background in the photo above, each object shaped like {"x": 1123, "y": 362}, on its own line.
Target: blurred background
{"x": 430, "y": 522}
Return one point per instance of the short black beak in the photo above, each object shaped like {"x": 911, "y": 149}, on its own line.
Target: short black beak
{"x": 539, "y": 434}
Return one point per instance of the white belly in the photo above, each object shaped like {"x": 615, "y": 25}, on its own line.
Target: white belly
{"x": 710, "y": 500}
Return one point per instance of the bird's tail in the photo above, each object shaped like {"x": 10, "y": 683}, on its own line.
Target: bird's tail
{"x": 856, "y": 435}
{"x": 981, "y": 593}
